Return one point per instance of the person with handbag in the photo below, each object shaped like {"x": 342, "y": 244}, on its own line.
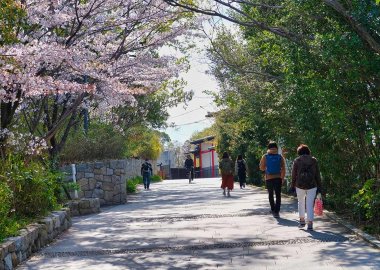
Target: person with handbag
{"x": 306, "y": 180}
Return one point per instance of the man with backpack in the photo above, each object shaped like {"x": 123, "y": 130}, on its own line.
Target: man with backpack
{"x": 273, "y": 164}
{"x": 146, "y": 172}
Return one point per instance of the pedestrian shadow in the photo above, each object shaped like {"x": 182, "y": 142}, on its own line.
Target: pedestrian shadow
{"x": 287, "y": 222}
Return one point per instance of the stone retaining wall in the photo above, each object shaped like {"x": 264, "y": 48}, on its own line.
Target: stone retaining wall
{"x": 84, "y": 206}
{"x": 105, "y": 180}
{"x": 17, "y": 249}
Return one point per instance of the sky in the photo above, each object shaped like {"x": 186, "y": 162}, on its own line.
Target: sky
{"x": 191, "y": 118}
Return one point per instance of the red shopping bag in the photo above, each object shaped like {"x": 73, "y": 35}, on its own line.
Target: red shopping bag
{"x": 318, "y": 205}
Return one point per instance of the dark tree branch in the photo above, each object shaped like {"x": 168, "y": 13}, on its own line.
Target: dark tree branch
{"x": 356, "y": 26}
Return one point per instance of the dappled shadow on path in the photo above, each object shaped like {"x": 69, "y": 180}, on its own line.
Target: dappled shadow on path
{"x": 182, "y": 226}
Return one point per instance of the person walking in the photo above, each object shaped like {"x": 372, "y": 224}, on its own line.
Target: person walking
{"x": 146, "y": 172}
{"x": 189, "y": 165}
{"x": 306, "y": 180}
{"x": 273, "y": 164}
{"x": 241, "y": 170}
{"x": 226, "y": 166}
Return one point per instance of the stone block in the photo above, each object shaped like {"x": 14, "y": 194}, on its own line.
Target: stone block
{"x": 81, "y": 167}
{"x": 107, "y": 178}
{"x": 3, "y": 253}
{"x": 113, "y": 164}
{"x": 104, "y": 170}
{"x": 98, "y": 193}
{"x": 86, "y": 211}
{"x": 108, "y": 196}
{"x": 8, "y": 262}
{"x": 75, "y": 213}
{"x": 79, "y": 175}
{"x": 108, "y": 186}
{"x": 89, "y": 175}
{"x": 116, "y": 179}
{"x": 88, "y": 194}
{"x": 91, "y": 183}
{"x": 98, "y": 165}
{"x": 84, "y": 203}
{"x": 117, "y": 198}
{"x": 83, "y": 183}
{"x": 109, "y": 171}
{"x": 89, "y": 168}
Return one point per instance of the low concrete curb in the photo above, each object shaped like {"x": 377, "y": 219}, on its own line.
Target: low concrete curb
{"x": 365, "y": 236}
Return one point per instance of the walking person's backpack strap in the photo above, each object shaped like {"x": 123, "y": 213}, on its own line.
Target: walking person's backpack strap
{"x": 273, "y": 163}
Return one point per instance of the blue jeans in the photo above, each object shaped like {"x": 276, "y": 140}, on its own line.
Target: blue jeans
{"x": 146, "y": 179}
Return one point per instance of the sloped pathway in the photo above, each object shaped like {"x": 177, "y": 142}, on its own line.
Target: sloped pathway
{"x": 177, "y": 225}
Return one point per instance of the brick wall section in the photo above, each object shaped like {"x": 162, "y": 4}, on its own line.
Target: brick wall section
{"x": 17, "y": 249}
{"x": 105, "y": 180}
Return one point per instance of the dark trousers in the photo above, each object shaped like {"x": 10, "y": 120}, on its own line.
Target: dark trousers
{"x": 242, "y": 179}
{"x": 146, "y": 179}
{"x": 274, "y": 185}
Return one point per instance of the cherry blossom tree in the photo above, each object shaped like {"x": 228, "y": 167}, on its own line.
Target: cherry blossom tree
{"x": 72, "y": 53}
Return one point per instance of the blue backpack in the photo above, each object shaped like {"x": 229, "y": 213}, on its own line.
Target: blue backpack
{"x": 273, "y": 163}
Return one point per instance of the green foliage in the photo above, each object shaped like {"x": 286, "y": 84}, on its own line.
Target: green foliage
{"x": 32, "y": 186}
{"x": 5, "y": 206}
{"x": 101, "y": 142}
{"x": 144, "y": 143}
{"x": 323, "y": 91}
{"x": 367, "y": 201}
{"x": 11, "y": 15}
{"x": 156, "y": 178}
{"x": 27, "y": 191}
{"x": 132, "y": 184}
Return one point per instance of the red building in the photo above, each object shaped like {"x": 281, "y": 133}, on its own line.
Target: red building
{"x": 205, "y": 157}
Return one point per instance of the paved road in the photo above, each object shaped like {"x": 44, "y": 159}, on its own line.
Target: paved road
{"x": 177, "y": 225}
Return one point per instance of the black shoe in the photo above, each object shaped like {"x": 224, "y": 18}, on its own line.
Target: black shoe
{"x": 301, "y": 224}
{"x": 276, "y": 214}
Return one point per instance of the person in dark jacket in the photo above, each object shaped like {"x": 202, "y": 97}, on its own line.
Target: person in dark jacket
{"x": 146, "y": 172}
{"x": 241, "y": 170}
{"x": 306, "y": 180}
{"x": 189, "y": 165}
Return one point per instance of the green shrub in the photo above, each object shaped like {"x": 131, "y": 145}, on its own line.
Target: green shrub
{"x": 32, "y": 186}
{"x": 101, "y": 142}
{"x": 5, "y": 207}
{"x": 132, "y": 183}
{"x": 367, "y": 202}
{"x": 156, "y": 178}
